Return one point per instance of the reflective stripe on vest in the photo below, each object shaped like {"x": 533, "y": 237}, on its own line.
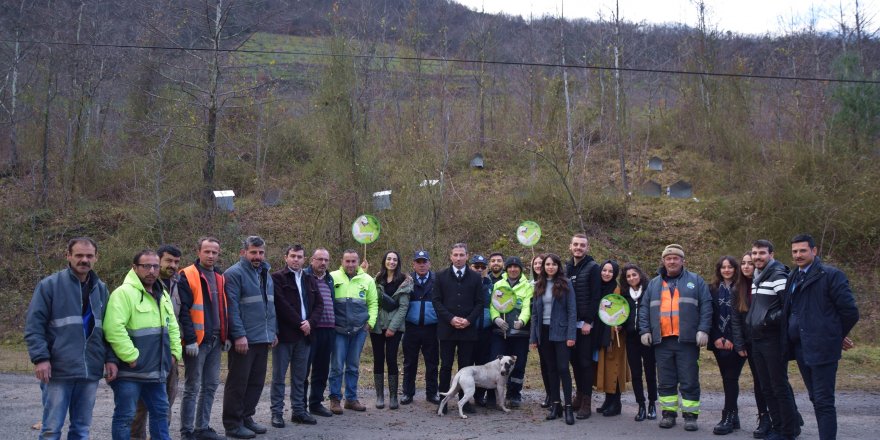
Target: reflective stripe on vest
{"x": 197, "y": 311}
{"x": 669, "y": 312}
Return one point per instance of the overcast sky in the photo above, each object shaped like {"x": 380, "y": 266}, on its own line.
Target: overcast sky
{"x": 742, "y": 16}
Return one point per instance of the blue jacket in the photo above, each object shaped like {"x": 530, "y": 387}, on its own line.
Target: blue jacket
{"x": 563, "y": 324}
{"x": 694, "y": 307}
{"x": 826, "y": 311}
{"x": 54, "y": 332}
{"x": 422, "y": 296}
{"x": 251, "y": 313}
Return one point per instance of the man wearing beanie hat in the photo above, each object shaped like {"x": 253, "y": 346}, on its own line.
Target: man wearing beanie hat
{"x": 675, "y": 318}
{"x": 510, "y": 335}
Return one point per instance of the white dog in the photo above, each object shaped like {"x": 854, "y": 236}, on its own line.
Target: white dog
{"x": 491, "y": 376}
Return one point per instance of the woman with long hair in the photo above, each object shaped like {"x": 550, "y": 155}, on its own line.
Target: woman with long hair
{"x": 640, "y": 358}
{"x": 553, "y": 333}
{"x": 393, "y": 287}
{"x": 724, "y": 292}
{"x": 612, "y": 372}
{"x": 537, "y": 266}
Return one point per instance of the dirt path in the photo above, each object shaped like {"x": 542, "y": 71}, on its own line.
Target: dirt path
{"x": 857, "y": 415}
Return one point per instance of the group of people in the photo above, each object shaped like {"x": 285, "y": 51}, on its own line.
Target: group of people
{"x": 315, "y": 322}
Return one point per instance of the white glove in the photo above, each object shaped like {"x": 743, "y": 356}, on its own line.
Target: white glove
{"x": 646, "y": 339}
{"x": 192, "y": 350}
{"x": 702, "y": 339}
{"x": 227, "y": 345}
{"x": 502, "y": 324}
{"x": 517, "y": 324}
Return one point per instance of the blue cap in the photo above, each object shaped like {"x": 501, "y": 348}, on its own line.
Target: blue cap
{"x": 478, "y": 259}
{"x": 421, "y": 255}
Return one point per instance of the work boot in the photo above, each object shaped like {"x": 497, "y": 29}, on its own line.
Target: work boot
{"x": 690, "y": 421}
{"x": 734, "y": 419}
{"x": 668, "y": 419}
{"x": 555, "y": 411}
{"x": 379, "y": 382}
{"x": 354, "y": 405}
{"x": 764, "y": 426}
{"x": 335, "y": 407}
{"x": 725, "y": 426}
{"x": 392, "y": 391}
{"x": 569, "y": 415}
{"x": 586, "y": 409}
{"x": 575, "y": 401}
{"x": 652, "y": 411}
{"x": 277, "y": 420}
{"x": 640, "y": 415}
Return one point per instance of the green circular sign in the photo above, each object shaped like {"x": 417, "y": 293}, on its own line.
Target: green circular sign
{"x": 366, "y": 229}
{"x": 613, "y": 309}
{"x": 503, "y": 299}
{"x": 528, "y": 233}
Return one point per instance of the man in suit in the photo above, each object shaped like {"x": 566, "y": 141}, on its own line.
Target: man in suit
{"x": 421, "y": 332}
{"x": 297, "y": 309}
{"x": 458, "y": 301}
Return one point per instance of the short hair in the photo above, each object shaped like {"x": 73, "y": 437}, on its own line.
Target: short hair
{"x": 137, "y": 256}
{"x": 294, "y": 247}
{"x": 252, "y": 241}
{"x": 459, "y": 245}
{"x": 351, "y": 251}
{"x": 168, "y": 249}
{"x": 581, "y": 235}
{"x": 800, "y": 238}
{"x": 763, "y": 244}
{"x": 320, "y": 249}
{"x": 204, "y": 239}
{"x": 81, "y": 240}
{"x": 496, "y": 254}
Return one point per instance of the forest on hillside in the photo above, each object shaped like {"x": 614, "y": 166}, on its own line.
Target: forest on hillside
{"x": 118, "y": 118}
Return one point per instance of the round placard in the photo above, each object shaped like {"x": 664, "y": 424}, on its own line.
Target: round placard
{"x": 503, "y": 299}
{"x": 528, "y": 233}
{"x": 613, "y": 309}
{"x": 366, "y": 229}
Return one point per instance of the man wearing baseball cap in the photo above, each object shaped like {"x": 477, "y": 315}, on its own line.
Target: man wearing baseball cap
{"x": 675, "y": 317}
{"x": 421, "y": 332}
{"x": 482, "y": 354}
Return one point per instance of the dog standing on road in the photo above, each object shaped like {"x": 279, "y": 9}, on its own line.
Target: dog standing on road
{"x": 491, "y": 376}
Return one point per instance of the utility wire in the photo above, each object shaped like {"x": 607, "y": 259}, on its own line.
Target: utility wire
{"x": 452, "y": 60}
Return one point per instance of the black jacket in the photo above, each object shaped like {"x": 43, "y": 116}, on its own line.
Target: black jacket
{"x": 463, "y": 299}
{"x": 720, "y": 328}
{"x": 587, "y": 281}
{"x": 768, "y": 295}
{"x": 288, "y": 305}
{"x": 826, "y": 312}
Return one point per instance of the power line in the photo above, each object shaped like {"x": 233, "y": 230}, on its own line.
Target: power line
{"x": 452, "y": 60}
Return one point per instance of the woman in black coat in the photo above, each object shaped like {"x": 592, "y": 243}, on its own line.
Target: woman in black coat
{"x": 721, "y": 336}
{"x": 640, "y": 357}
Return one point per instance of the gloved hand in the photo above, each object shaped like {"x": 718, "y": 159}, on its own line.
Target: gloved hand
{"x": 702, "y": 339}
{"x": 517, "y": 324}
{"x": 646, "y": 339}
{"x": 502, "y": 324}
{"x": 227, "y": 345}
{"x": 192, "y": 350}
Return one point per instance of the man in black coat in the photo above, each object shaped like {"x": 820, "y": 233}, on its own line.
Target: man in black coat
{"x": 584, "y": 274}
{"x": 818, "y": 314}
{"x": 458, "y": 301}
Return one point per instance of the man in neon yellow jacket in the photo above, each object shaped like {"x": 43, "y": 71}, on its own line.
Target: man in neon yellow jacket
{"x": 355, "y": 306}
{"x": 141, "y": 328}
{"x": 511, "y": 315}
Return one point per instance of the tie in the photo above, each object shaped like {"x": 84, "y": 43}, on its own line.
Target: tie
{"x": 458, "y": 273}
{"x": 799, "y": 279}
{"x": 421, "y": 281}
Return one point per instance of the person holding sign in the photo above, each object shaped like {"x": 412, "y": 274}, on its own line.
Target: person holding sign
{"x": 555, "y": 306}
{"x": 510, "y": 310}
{"x": 612, "y": 372}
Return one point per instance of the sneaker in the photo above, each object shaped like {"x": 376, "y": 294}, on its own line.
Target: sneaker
{"x": 335, "y": 407}
{"x": 354, "y": 405}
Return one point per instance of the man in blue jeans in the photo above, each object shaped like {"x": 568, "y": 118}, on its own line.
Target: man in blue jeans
{"x": 356, "y": 306}
{"x": 66, "y": 309}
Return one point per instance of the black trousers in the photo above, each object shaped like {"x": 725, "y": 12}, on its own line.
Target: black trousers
{"x": 582, "y": 363}
{"x": 244, "y": 384}
{"x": 385, "y": 352}
{"x": 555, "y": 355}
{"x": 513, "y": 346}
{"x": 420, "y": 338}
{"x": 730, "y": 363}
{"x": 641, "y": 359}
{"x": 820, "y": 381}
{"x": 319, "y": 365}
{"x": 756, "y": 382}
{"x": 448, "y": 351}
{"x": 482, "y": 355}
{"x": 773, "y": 374}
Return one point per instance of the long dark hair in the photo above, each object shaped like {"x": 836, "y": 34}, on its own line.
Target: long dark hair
{"x": 541, "y": 257}
{"x": 743, "y": 288}
{"x": 736, "y": 272}
{"x": 643, "y": 278}
{"x": 382, "y": 276}
{"x": 560, "y": 281}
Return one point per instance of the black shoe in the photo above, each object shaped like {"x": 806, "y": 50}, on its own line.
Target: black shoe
{"x": 515, "y": 402}
{"x": 652, "y": 411}
{"x": 320, "y": 410}
{"x": 241, "y": 432}
{"x": 614, "y": 407}
{"x": 187, "y": 436}
{"x": 668, "y": 419}
{"x": 249, "y": 423}
{"x": 433, "y": 398}
{"x": 546, "y": 402}
{"x": 555, "y": 411}
{"x": 303, "y": 419}
{"x": 763, "y": 426}
{"x": 725, "y": 426}
{"x": 277, "y": 421}
{"x": 568, "y": 411}
{"x": 406, "y": 399}
{"x": 605, "y": 404}
{"x": 480, "y": 401}
{"x": 469, "y": 409}
{"x": 640, "y": 415}
{"x": 208, "y": 434}
{"x": 800, "y": 419}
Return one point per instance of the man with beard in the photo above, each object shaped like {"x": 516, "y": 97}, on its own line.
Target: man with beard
{"x": 324, "y": 332}
{"x": 585, "y": 276}
{"x": 496, "y": 267}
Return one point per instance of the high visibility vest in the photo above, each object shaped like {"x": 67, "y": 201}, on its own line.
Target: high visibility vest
{"x": 197, "y": 311}
{"x": 669, "y": 312}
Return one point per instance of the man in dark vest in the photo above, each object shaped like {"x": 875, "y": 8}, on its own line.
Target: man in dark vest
{"x": 421, "y": 332}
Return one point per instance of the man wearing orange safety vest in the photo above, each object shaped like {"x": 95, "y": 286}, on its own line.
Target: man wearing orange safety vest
{"x": 203, "y": 325}
{"x": 675, "y": 317}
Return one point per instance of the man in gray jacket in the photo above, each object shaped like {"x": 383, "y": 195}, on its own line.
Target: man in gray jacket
{"x": 676, "y": 317}
{"x": 65, "y": 341}
{"x": 252, "y": 328}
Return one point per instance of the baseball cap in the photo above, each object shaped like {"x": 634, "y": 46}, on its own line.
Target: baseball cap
{"x": 421, "y": 255}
